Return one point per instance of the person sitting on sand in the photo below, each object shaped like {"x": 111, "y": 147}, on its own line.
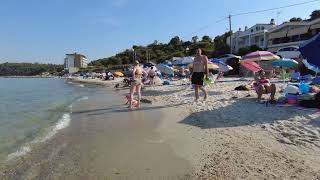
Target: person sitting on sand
{"x": 136, "y": 83}
{"x": 262, "y": 86}
{"x": 198, "y": 71}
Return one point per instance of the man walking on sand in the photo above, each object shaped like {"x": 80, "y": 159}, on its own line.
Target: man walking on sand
{"x": 198, "y": 72}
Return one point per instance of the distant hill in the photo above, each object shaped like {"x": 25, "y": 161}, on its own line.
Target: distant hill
{"x": 158, "y": 52}
{"x": 28, "y": 69}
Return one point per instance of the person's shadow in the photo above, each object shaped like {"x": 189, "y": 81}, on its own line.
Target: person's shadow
{"x": 242, "y": 112}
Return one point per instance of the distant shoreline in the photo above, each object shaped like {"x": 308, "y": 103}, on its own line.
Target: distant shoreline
{"x": 29, "y": 77}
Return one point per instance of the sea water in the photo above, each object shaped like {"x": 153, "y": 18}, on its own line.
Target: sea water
{"x": 34, "y": 109}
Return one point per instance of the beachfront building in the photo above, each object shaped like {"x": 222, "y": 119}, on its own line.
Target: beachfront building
{"x": 292, "y": 34}
{"x": 73, "y": 62}
{"x": 256, "y": 35}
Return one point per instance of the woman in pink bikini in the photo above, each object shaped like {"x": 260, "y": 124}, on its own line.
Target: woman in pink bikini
{"x": 262, "y": 86}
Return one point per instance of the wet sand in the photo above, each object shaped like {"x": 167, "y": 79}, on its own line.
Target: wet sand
{"x": 105, "y": 140}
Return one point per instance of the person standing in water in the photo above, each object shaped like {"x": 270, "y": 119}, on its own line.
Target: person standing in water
{"x": 198, "y": 73}
{"x": 136, "y": 83}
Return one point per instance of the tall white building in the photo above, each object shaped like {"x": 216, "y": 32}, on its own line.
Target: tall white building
{"x": 73, "y": 62}
{"x": 256, "y": 35}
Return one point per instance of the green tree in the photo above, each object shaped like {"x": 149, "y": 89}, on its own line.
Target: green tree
{"x": 246, "y": 50}
{"x": 175, "y": 41}
{"x": 220, "y": 45}
{"x": 315, "y": 15}
{"x": 206, "y": 39}
{"x": 195, "y": 39}
{"x": 295, "y": 19}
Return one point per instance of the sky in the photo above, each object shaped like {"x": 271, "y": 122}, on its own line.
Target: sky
{"x": 45, "y": 30}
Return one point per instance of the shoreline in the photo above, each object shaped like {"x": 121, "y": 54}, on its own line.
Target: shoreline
{"x": 104, "y": 141}
{"x": 94, "y": 81}
{"x": 30, "y": 77}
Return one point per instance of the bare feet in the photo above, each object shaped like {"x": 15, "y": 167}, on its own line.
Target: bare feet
{"x": 205, "y": 97}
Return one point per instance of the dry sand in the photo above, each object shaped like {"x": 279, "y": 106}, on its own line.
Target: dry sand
{"x": 231, "y": 137}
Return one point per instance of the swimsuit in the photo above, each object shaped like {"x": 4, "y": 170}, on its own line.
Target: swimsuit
{"x": 197, "y": 77}
{"x": 137, "y": 81}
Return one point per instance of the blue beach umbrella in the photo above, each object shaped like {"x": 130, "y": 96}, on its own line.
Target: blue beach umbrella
{"x": 310, "y": 50}
{"x": 289, "y": 63}
{"x": 311, "y": 66}
{"x": 223, "y": 67}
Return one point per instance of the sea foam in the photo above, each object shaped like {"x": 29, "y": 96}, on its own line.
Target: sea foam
{"x": 63, "y": 122}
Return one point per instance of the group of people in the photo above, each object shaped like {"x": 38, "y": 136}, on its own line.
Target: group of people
{"x": 198, "y": 73}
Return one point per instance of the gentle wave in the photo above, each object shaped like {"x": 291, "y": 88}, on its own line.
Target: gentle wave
{"x": 83, "y": 98}
{"x": 61, "y": 124}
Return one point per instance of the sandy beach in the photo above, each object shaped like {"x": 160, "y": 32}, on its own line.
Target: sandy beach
{"x": 235, "y": 138}
{"x": 229, "y": 136}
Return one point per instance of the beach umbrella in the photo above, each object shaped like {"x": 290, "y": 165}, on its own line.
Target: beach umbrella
{"x": 119, "y": 74}
{"x": 183, "y": 61}
{"x": 311, "y": 66}
{"x": 211, "y": 66}
{"x": 223, "y": 67}
{"x": 310, "y": 50}
{"x": 259, "y": 56}
{"x": 165, "y": 69}
{"x": 285, "y": 63}
{"x": 251, "y": 66}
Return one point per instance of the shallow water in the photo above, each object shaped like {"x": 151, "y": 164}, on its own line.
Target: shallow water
{"x": 105, "y": 140}
{"x": 32, "y": 110}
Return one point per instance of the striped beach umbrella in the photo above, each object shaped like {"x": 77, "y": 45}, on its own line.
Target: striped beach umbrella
{"x": 211, "y": 66}
{"x": 259, "y": 56}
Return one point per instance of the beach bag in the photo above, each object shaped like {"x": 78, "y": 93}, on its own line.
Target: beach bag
{"x": 304, "y": 88}
{"x": 291, "y": 90}
{"x": 207, "y": 81}
{"x": 166, "y": 83}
